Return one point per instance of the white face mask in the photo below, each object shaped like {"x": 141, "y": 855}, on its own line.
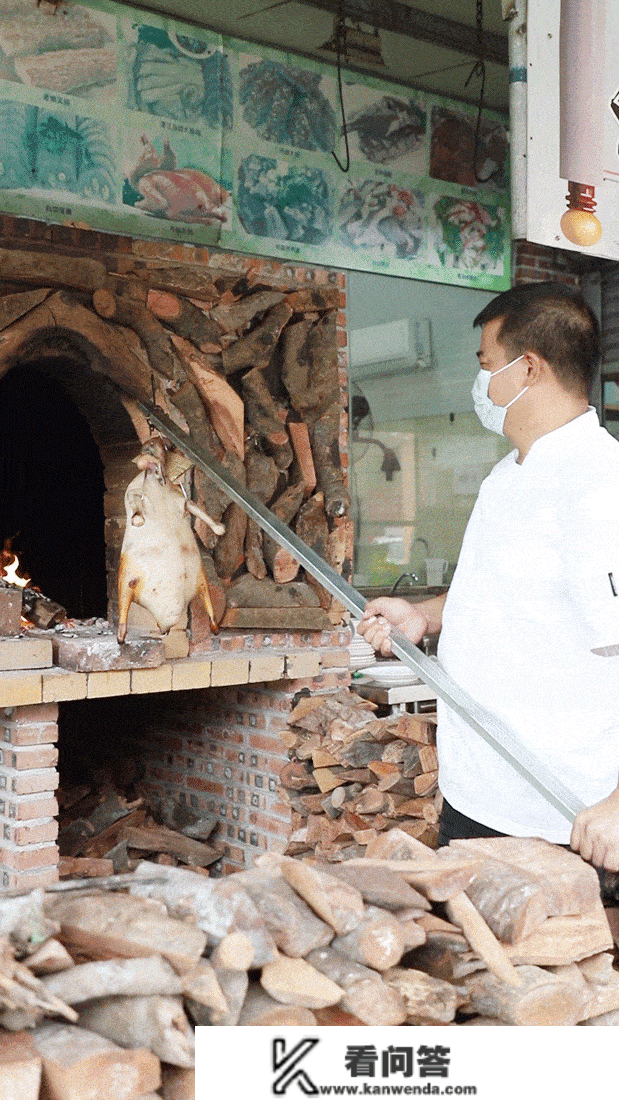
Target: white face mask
{"x": 492, "y": 416}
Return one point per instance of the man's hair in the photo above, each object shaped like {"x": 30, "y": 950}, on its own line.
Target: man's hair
{"x": 555, "y": 322}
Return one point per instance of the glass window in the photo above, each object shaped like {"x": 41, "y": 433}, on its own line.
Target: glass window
{"x": 418, "y": 451}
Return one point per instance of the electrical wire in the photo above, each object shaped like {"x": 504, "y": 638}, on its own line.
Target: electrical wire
{"x": 340, "y": 44}
{"x": 479, "y": 69}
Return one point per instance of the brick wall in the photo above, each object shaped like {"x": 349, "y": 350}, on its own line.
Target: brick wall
{"x": 28, "y": 780}
{"x": 535, "y": 263}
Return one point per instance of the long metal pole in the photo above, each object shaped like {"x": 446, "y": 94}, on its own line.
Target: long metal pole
{"x": 499, "y": 736}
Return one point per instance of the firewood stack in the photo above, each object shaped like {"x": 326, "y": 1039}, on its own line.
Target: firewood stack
{"x": 352, "y": 775}
{"x": 251, "y": 372}
{"x": 104, "y": 985}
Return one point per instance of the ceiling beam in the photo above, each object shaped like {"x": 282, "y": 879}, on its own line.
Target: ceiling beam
{"x": 392, "y": 15}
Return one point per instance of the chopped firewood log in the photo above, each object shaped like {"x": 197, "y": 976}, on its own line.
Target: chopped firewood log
{"x": 14, "y": 306}
{"x": 256, "y": 348}
{"x": 69, "y": 866}
{"x": 233, "y": 985}
{"x": 24, "y": 921}
{"x": 367, "y": 996}
{"x": 296, "y": 776}
{"x": 235, "y": 951}
{"x": 309, "y": 366}
{"x": 20, "y": 1067}
{"x": 325, "y": 434}
{"x": 312, "y": 527}
{"x": 282, "y": 564}
{"x": 570, "y": 885}
{"x": 426, "y": 783}
{"x": 312, "y": 298}
{"x": 50, "y": 958}
{"x": 295, "y": 982}
{"x": 261, "y": 1010}
{"x": 249, "y": 591}
{"x": 262, "y": 477}
{"x": 266, "y": 418}
{"x": 185, "y": 319}
{"x": 510, "y": 900}
{"x": 160, "y": 839}
{"x": 223, "y": 404}
{"x": 294, "y": 926}
{"x": 178, "y": 1083}
{"x": 380, "y": 887}
{"x": 377, "y": 941}
{"x": 428, "y": 1000}
{"x": 461, "y": 911}
{"x": 563, "y": 939}
{"x": 114, "y": 977}
{"x": 201, "y": 987}
{"x": 302, "y": 447}
{"x": 539, "y": 998}
{"x": 135, "y": 315}
{"x": 335, "y": 902}
{"x": 236, "y": 316}
{"x": 215, "y": 906}
{"x": 436, "y": 878}
{"x": 77, "y": 1062}
{"x": 157, "y": 1023}
{"x": 108, "y": 925}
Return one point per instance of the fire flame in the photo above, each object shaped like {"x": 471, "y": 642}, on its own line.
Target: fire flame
{"x": 9, "y": 571}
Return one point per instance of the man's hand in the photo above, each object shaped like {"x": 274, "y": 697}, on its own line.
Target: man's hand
{"x": 595, "y": 833}
{"x": 381, "y": 615}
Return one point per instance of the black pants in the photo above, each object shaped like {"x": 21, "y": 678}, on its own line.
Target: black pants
{"x": 456, "y": 826}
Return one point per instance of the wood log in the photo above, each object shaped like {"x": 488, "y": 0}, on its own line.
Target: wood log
{"x": 157, "y": 1023}
{"x": 461, "y": 911}
{"x": 20, "y": 1067}
{"x": 380, "y": 887}
{"x": 50, "y": 958}
{"x": 295, "y": 982}
{"x": 229, "y": 553}
{"x": 234, "y": 985}
{"x": 282, "y": 564}
{"x": 223, "y": 404}
{"x": 236, "y": 316}
{"x": 216, "y": 906}
{"x": 77, "y": 1063}
{"x": 52, "y": 269}
{"x": 188, "y": 279}
{"x": 262, "y": 477}
{"x": 377, "y": 941}
{"x": 325, "y": 435}
{"x": 312, "y": 526}
{"x": 256, "y": 348}
{"x": 293, "y": 925}
{"x": 14, "y": 306}
{"x": 366, "y": 996}
{"x": 201, "y": 987}
{"x": 235, "y": 951}
{"x": 104, "y": 925}
{"x": 299, "y": 436}
{"x": 309, "y": 367}
{"x": 261, "y": 1010}
{"x": 78, "y": 866}
{"x": 335, "y": 902}
{"x": 178, "y": 1083}
{"x": 160, "y": 839}
{"x": 570, "y": 885}
{"x": 265, "y": 417}
{"x": 314, "y": 298}
{"x": 134, "y": 314}
{"x": 114, "y": 977}
{"x": 510, "y": 900}
{"x": 540, "y": 999}
{"x": 428, "y": 1000}
{"x": 185, "y": 319}
{"x": 563, "y": 939}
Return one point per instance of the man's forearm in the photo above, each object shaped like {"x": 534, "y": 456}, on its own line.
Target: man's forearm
{"x": 433, "y": 611}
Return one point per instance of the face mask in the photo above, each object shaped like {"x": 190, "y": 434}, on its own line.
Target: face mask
{"x": 492, "y": 416}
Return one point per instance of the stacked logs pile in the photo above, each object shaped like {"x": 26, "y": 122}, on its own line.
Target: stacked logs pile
{"x": 352, "y": 775}
{"x": 250, "y": 371}
{"x": 100, "y": 989}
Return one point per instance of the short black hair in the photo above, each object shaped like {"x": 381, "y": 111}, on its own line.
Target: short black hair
{"x": 554, "y": 321}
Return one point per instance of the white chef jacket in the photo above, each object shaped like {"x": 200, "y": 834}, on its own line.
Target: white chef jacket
{"x": 531, "y": 597}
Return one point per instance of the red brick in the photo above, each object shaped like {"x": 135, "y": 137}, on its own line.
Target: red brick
{"x": 28, "y": 859}
{"x": 30, "y": 807}
{"x": 29, "y": 757}
{"x": 31, "y": 832}
{"x": 32, "y": 782}
{"x": 28, "y": 880}
{"x": 33, "y": 734}
{"x": 39, "y": 713}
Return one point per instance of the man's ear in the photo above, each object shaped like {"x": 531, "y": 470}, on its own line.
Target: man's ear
{"x": 538, "y": 368}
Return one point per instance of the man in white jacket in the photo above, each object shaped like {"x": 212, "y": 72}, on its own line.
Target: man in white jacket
{"x": 532, "y": 613}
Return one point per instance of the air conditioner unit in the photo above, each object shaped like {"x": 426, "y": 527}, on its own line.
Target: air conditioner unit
{"x": 396, "y": 346}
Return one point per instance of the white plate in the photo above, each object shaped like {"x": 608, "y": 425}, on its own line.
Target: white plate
{"x": 391, "y": 672}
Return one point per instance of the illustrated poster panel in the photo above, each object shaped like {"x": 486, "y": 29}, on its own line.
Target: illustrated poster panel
{"x": 573, "y": 125}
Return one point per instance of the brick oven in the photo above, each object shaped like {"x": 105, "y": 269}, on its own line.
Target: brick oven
{"x": 250, "y": 355}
